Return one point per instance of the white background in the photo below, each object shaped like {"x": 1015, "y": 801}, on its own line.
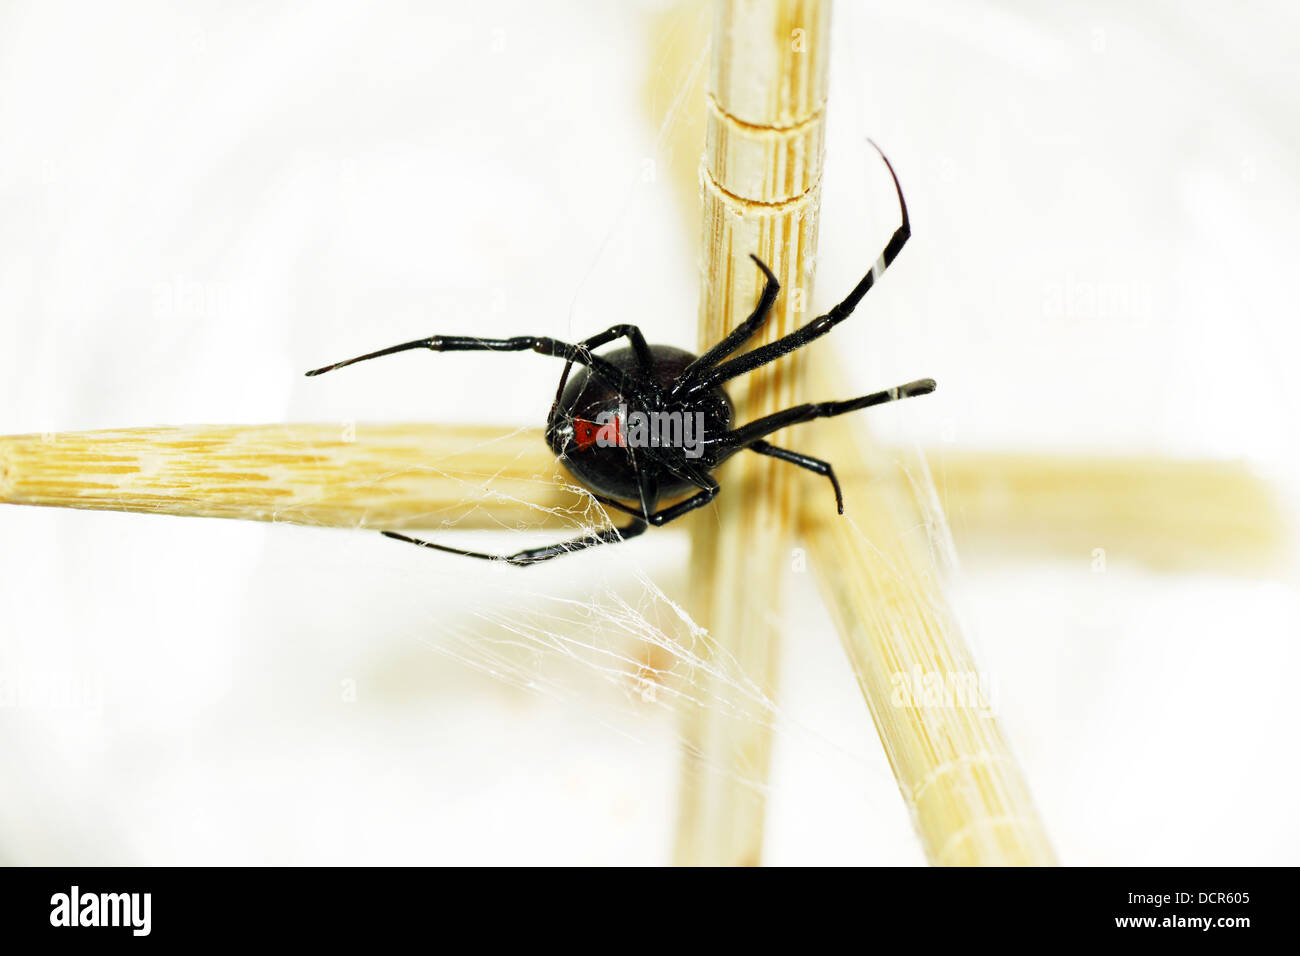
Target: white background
{"x": 200, "y": 201}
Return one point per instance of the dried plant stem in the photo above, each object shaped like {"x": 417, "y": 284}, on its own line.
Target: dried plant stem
{"x": 760, "y": 190}
{"x": 881, "y": 574}
{"x": 1169, "y": 514}
{"x": 761, "y": 182}
{"x": 370, "y": 476}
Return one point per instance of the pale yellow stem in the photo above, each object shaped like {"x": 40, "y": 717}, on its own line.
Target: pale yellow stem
{"x": 881, "y": 567}
{"x": 761, "y": 187}
{"x": 1214, "y": 515}
{"x": 364, "y": 476}
{"x": 1169, "y": 514}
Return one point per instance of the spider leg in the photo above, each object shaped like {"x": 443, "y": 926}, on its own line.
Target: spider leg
{"x": 618, "y": 505}
{"x": 709, "y": 489}
{"x": 737, "y": 336}
{"x": 640, "y": 522}
{"x": 707, "y": 484}
{"x": 542, "y": 345}
{"x": 634, "y": 337}
{"x": 803, "y": 461}
{"x": 824, "y": 323}
{"x": 647, "y": 490}
{"x": 699, "y": 500}
{"x": 536, "y": 555}
{"x": 747, "y": 435}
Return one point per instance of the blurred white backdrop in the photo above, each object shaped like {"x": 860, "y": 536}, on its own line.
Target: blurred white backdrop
{"x": 199, "y": 202}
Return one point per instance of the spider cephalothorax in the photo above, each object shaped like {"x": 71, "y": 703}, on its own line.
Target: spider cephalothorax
{"x": 647, "y": 423}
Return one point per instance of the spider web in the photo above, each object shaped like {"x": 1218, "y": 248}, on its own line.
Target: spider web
{"x": 605, "y": 637}
{"x": 607, "y": 632}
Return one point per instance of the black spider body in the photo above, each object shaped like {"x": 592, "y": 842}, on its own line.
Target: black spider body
{"x": 615, "y": 470}
{"x": 646, "y": 424}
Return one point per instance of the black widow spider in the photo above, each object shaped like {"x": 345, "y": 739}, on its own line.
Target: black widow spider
{"x": 596, "y": 426}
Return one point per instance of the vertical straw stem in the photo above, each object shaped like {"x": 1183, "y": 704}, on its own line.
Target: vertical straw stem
{"x": 760, "y": 183}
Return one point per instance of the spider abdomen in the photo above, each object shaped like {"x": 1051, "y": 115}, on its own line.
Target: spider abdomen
{"x": 608, "y": 439}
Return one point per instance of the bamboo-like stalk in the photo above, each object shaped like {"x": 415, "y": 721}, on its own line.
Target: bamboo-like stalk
{"x": 882, "y": 577}
{"x": 760, "y": 184}
{"x": 1215, "y": 515}
{"x": 1167, "y": 514}
{"x": 964, "y": 791}
{"x": 363, "y": 476}
{"x": 761, "y": 191}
